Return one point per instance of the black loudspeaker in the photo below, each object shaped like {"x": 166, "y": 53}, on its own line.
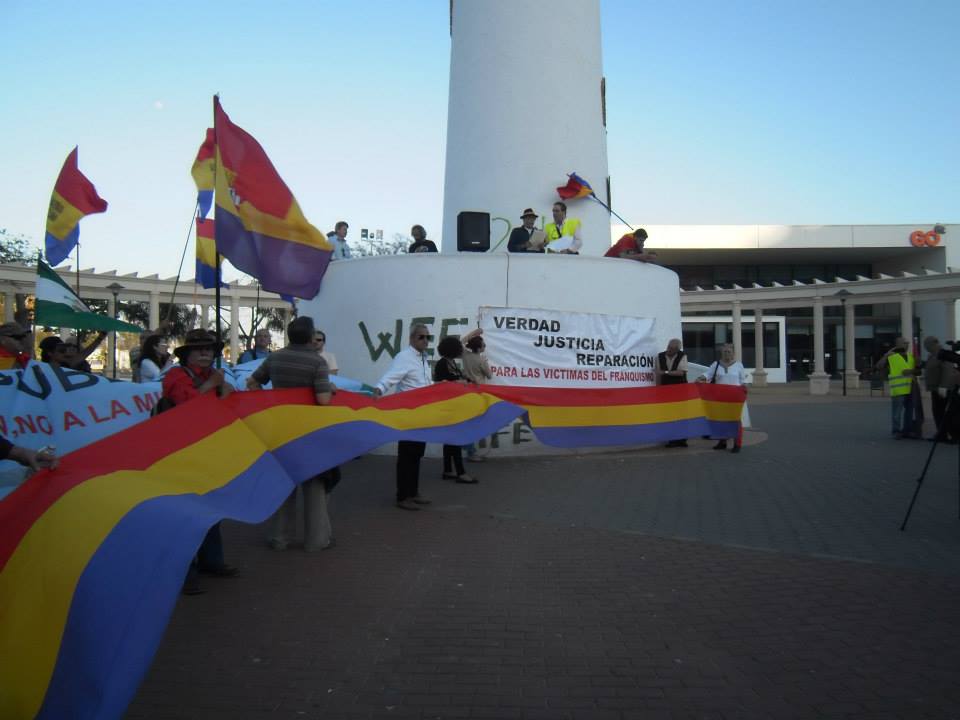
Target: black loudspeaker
{"x": 473, "y": 231}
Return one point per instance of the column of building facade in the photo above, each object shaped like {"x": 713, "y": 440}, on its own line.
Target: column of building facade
{"x": 737, "y": 331}
{"x": 906, "y": 315}
{"x": 9, "y": 306}
{"x": 111, "y": 342}
{"x": 819, "y": 380}
{"x": 204, "y": 316}
{"x": 759, "y": 373}
{"x": 234, "y": 325}
{"x": 849, "y": 345}
{"x": 951, "y": 319}
{"x": 154, "y": 309}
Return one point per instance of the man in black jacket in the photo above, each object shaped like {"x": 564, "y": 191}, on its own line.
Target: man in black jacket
{"x": 526, "y": 238}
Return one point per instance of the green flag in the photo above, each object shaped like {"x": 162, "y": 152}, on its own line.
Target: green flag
{"x": 59, "y": 306}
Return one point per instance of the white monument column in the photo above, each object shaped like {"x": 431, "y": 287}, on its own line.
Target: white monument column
{"x": 9, "y": 300}
{"x": 525, "y": 109}
{"x": 906, "y": 315}
{"x": 819, "y": 380}
{"x": 759, "y": 374}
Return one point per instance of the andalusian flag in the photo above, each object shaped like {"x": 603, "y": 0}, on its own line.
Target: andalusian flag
{"x": 59, "y": 306}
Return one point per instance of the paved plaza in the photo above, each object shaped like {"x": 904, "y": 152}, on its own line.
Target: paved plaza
{"x": 653, "y": 583}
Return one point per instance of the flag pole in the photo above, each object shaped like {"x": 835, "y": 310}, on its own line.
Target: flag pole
{"x": 610, "y": 210}
{"x": 216, "y": 168}
{"x": 186, "y": 244}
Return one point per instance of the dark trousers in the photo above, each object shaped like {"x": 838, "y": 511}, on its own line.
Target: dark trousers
{"x": 210, "y": 553}
{"x": 408, "y": 468}
{"x": 453, "y": 458}
{"x": 939, "y": 405}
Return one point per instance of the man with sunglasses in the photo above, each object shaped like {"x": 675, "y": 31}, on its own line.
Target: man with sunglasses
{"x": 13, "y": 346}
{"x": 408, "y": 371}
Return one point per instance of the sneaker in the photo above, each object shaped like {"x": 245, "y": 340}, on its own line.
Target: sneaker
{"x": 467, "y": 479}
{"x": 421, "y": 500}
{"x": 722, "y": 445}
{"x": 407, "y": 504}
{"x": 475, "y": 458}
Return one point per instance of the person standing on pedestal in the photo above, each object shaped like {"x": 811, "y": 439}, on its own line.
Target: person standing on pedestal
{"x": 563, "y": 227}
{"x": 526, "y": 238}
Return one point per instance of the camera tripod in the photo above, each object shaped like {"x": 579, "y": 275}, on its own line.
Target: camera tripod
{"x": 950, "y": 424}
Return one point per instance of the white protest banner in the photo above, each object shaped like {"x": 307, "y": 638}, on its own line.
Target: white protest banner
{"x": 548, "y": 348}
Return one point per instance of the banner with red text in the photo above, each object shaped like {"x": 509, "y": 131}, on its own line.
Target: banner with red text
{"x": 549, "y": 348}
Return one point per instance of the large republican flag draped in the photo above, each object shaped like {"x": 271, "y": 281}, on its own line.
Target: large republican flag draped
{"x": 73, "y": 197}
{"x": 260, "y": 228}
{"x": 93, "y": 554}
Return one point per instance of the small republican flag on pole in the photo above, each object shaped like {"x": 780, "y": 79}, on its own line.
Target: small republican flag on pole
{"x": 73, "y": 197}
{"x": 576, "y": 187}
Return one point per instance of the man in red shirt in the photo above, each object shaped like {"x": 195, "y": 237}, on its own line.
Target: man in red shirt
{"x": 193, "y": 377}
{"x": 630, "y": 247}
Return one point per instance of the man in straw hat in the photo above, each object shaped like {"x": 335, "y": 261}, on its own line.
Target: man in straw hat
{"x": 527, "y": 238}
{"x": 193, "y": 377}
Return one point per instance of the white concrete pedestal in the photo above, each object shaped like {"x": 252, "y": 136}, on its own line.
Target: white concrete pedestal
{"x": 853, "y": 379}
{"x": 759, "y": 378}
{"x": 819, "y": 383}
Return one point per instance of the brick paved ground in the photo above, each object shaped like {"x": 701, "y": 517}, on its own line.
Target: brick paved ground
{"x": 652, "y": 584}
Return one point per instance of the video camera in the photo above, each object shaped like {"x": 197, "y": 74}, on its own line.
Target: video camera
{"x": 951, "y": 355}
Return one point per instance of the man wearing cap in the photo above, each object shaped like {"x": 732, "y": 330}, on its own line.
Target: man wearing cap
{"x": 298, "y": 365}
{"x": 527, "y": 238}
{"x": 563, "y": 227}
{"x": 193, "y": 377}
{"x": 630, "y": 247}
{"x": 13, "y": 346}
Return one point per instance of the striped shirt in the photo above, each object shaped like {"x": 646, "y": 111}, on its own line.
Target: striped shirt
{"x": 295, "y": 366}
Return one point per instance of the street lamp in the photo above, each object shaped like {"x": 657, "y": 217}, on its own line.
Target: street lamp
{"x": 843, "y": 294}
{"x": 115, "y": 288}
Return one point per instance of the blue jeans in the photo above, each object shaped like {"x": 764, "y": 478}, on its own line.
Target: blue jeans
{"x": 901, "y": 414}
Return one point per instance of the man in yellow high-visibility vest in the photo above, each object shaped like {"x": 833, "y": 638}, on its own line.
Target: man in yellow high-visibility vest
{"x": 563, "y": 227}
{"x": 901, "y": 367}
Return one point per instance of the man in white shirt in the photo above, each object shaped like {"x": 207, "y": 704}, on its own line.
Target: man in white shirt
{"x": 338, "y": 238}
{"x": 408, "y": 371}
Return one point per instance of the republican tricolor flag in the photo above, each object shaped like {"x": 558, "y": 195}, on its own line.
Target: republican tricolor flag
{"x": 260, "y": 228}
{"x": 204, "y": 171}
{"x": 576, "y": 187}
{"x": 73, "y": 197}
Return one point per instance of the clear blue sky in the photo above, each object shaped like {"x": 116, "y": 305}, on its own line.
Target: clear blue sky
{"x": 739, "y": 112}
